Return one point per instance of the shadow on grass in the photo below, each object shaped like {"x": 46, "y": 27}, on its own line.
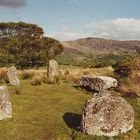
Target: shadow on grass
{"x": 72, "y": 120}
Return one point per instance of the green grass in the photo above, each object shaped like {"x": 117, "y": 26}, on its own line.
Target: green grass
{"x": 38, "y": 113}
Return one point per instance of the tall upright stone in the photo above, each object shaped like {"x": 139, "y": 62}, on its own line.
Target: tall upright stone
{"x": 12, "y": 76}
{"x": 5, "y": 103}
{"x": 52, "y": 70}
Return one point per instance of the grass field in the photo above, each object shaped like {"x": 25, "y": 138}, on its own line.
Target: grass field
{"x": 52, "y": 112}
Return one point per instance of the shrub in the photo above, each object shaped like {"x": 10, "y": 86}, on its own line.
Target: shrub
{"x": 27, "y": 74}
{"x": 135, "y": 77}
{"x": 123, "y": 89}
{"x": 123, "y": 71}
{"x": 67, "y": 72}
{"x": 73, "y": 78}
{"x": 44, "y": 78}
{"x": 60, "y": 72}
{"x": 36, "y": 80}
{"x": 86, "y": 72}
{"x": 126, "y": 68}
{"x": 3, "y": 75}
{"x": 133, "y": 64}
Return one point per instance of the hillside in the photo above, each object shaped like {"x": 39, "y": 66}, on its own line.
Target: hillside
{"x": 93, "y": 48}
{"x": 100, "y": 45}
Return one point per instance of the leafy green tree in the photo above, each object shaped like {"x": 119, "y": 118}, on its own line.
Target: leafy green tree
{"x": 53, "y": 47}
{"x": 24, "y": 45}
{"x": 11, "y": 29}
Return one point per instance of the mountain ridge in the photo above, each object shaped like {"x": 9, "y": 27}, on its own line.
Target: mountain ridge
{"x": 95, "y": 52}
{"x": 102, "y": 45}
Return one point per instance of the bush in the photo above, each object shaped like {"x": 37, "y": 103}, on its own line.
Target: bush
{"x": 67, "y": 72}
{"x": 44, "y": 78}
{"x": 123, "y": 71}
{"x": 27, "y": 74}
{"x": 86, "y": 72}
{"x": 36, "y": 80}
{"x": 3, "y": 75}
{"x": 73, "y": 78}
{"x": 135, "y": 77}
{"x": 126, "y": 68}
{"x": 133, "y": 64}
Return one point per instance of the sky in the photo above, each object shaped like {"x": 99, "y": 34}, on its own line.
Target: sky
{"x": 73, "y": 19}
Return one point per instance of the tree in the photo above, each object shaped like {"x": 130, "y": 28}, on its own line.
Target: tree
{"x": 24, "y": 45}
{"x": 53, "y": 47}
{"x": 11, "y": 29}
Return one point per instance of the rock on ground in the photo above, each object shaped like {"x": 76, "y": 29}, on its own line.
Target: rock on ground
{"x": 12, "y": 76}
{"x": 97, "y": 83}
{"x": 107, "y": 115}
{"x": 52, "y": 70}
{"x": 5, "y": 103}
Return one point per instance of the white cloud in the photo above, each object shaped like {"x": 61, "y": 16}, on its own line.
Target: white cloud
{"x": 66, "y": 32}
{"x": 67, "y": 35}
{"x": 120, "y": 29}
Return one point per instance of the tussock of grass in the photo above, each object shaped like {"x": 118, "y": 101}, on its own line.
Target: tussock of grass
{"x": 26, "y": 74}
{"x": 73, "y": 75}
{"x": 131, "y": 84}
{"x": 3, "y": 75}
{"x": 36, "y": 80}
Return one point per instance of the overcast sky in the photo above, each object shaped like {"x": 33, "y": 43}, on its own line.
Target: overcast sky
{"x": 72, "y": 19}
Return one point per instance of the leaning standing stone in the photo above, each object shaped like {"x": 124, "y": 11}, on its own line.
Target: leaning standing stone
{"x": 52, "y": 70}
{"x": 12, "y": 76}
{"x": 107, "y": 115}
{"x": 5, "y": 103}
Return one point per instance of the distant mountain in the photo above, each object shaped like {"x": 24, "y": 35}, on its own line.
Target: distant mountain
{"x": 89, "y": 49}
{"x": 100, "y": 46}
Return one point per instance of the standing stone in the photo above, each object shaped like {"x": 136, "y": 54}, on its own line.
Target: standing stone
{"x": 5, "y": 103}
{"x": 12, "y": 76}
{"x": 52, "y": 70}
{"x": 107, "y": 115}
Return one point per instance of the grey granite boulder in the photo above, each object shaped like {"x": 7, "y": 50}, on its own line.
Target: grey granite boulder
{"x": 97, "y": 83}
{"x": 12, "y": 76}
{"x": 107, "y": 115}
{"x": 5, "y": 103}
